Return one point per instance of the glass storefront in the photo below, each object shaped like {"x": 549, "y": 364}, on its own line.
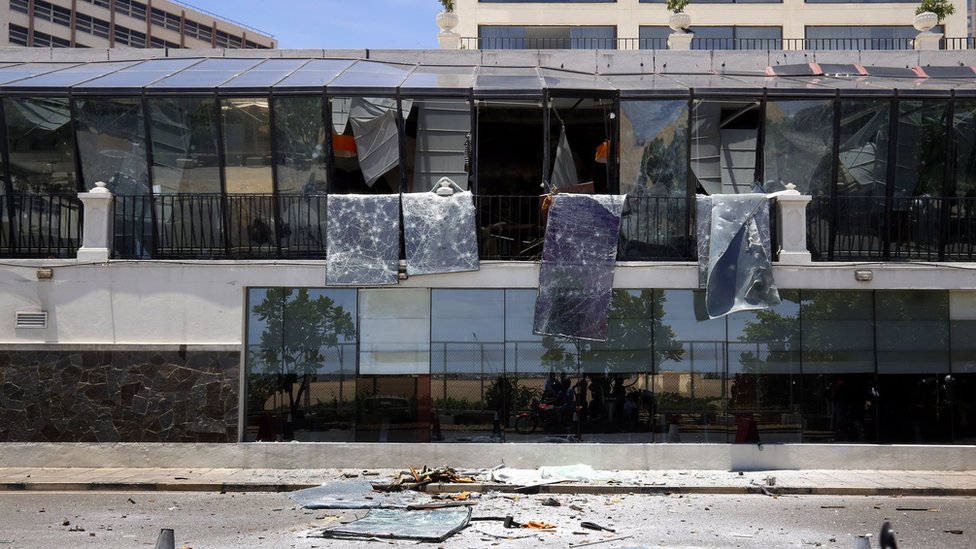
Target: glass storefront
{"x": 460, "y": 365}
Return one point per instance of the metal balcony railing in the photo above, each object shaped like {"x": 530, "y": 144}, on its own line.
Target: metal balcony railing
{"x": 40, "y": 225}
{"x": 876, "y": 228}
{"x": 204, "y": 226}
{"x": 213, "y": 226}
{"x": 235, "y": 226}
{"x": 764, "y": 44}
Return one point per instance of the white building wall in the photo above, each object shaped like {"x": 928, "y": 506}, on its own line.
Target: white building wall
{"x": 202, "y": 303}
{"x": 629, "y": 15}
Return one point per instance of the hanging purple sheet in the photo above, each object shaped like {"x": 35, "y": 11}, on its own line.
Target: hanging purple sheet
{"x": 734, "y": 259}
{"x": 362, "y": 239}
{"x": 576, "y": 275}
{"x": 439, "y": 233}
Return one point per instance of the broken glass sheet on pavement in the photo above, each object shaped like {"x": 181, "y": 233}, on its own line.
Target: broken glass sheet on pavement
{"x": 576, "y": 275}
{"x": 734, "y": 258}
{"x": 439, "y": 233}
{"x": 353, "y": 494}
{"x": 362, "y": 239}
{"x": 432, "y": 525}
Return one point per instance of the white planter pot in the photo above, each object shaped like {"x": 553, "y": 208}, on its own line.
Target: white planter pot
{"x": 447, "y": 20}
{"x": 679, "y": 22}
{"x": 924, "y": 21}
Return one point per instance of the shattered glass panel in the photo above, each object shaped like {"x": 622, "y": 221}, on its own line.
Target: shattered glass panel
{"x": 653, "y": 148}
{"x": 576, "y": 276}
{"x": 734, "y": 253}
{"x": 354, "y": 494}
{"x": 439, "y": 233}
{"x": 363, "y": 239}
{"x": 431, "y": 525}
{"x": 798, "y": 145}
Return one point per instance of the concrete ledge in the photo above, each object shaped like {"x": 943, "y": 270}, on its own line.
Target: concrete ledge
{"x": 320, "y": 455}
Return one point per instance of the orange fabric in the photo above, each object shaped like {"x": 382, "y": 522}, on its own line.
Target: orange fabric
{"x": 344, "y": 146}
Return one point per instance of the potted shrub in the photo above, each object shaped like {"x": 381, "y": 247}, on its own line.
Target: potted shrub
{"x": 932, "y": 12}
{"x": 447, "y": 19}
{"x": 679, "y": 20}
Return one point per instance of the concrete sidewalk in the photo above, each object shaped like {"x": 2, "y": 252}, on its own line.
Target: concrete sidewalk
{"x": 771, "y": 483}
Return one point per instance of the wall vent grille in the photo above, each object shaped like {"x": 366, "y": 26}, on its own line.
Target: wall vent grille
{"x": 34, "y": 319}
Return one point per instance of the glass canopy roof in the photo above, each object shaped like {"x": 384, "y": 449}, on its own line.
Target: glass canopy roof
{"x": 228, "y": 75}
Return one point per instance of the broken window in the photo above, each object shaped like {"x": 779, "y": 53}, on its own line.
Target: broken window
{"x": 438, "y": 143}
{"x": 798, "y": 145}
{"x": 366, "y": 144}
{"x": 186, "y": 161}
{"x": 724, "y": 138}
{"x": 302, "y": 176}
{"x": 654, "y": 176}
{"x": 251, "y": 217}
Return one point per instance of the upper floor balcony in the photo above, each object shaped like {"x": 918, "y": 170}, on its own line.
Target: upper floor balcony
{"x": 243, "y": 168}
{"x": 727, "y": 39}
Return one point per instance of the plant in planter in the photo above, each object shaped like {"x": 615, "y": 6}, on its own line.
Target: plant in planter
{"x": 941, "y": 8}
{"x": 447, "y": 19}
{"x": 679, "y": 20}
{"x": 932, "y": 12}
{"x": 678, "y": 6}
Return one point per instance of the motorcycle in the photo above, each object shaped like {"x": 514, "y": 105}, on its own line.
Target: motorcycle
{"x": 545, "y": 416}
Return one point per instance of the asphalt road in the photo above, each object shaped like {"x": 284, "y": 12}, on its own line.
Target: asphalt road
{"x": 59, "y": 520}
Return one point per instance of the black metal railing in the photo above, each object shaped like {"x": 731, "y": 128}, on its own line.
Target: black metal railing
{"x": 233, "y": 226}
{"x": 510, "y": 227}
{"x": 876, "y": 228}
{"x": 40, "y": 225}
{"x": 202, "y": 226}
{"x": 541, "y": 43}
{"x": 958, "y": 43}
{"x": 655, "y": 228}
{"x": 661, "y": 43}
{"x": 652, "y": 228}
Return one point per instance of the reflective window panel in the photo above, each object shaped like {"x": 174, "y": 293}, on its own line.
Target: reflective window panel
{"x": 300, "y": 364}
{"x": 302, "y": 174}
{"x": 186, "y": 175}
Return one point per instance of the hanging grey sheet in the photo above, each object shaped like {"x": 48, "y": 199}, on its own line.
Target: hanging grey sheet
{"x": 734, "y": 259}
{"x": 576, "y": 275}
{"x": 375, "y": 129}
{"x": 362, "y": 239}
{"x": 563, "y": 166}
{"x": 439, "y": 233}
{"x": 434, "y": 525}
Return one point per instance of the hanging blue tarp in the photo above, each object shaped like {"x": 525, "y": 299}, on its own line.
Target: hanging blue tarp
{"x": 576, "y": 275}
{"x": 734, "y": 257}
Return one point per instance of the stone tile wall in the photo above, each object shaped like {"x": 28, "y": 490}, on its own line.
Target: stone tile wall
{"x": 119, "y": 396}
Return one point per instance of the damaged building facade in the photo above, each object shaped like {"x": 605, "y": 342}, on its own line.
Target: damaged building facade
{"x": 416, "y": 246}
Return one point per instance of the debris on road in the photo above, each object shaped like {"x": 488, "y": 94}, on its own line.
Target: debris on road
{"x": 433, "y": 525}
{"x": 417, "y": 480}
{"x": 595, "y": 526}
{"x": 608, "y": 540}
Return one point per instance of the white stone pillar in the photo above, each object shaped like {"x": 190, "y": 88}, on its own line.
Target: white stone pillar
{"x": 791, "y": 224}
{"x": 680, "y": 40}
{"x": 96, "y": 236}
{"x": 928, "y": 41}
